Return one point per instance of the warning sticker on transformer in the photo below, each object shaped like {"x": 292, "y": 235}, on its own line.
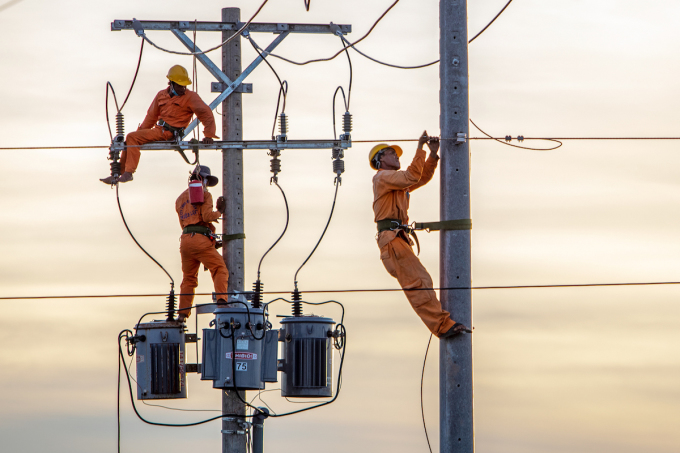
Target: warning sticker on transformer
{"x": 243, "y": 355}
{"x": 241, "y": 344}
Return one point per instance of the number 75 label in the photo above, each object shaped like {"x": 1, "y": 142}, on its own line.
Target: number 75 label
{"x": 241, "y": 366}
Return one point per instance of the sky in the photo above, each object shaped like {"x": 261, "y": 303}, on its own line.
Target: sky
{"x": 556, "y": 370}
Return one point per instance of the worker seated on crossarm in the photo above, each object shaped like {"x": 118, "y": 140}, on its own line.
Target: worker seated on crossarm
{"x": 391, "y": 191}
{"x": 197, "y": 244}
{"x": 170, "y": 112}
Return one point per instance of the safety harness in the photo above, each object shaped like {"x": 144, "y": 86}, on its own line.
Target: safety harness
{"x": 179, "y": 134}
{"x": 396, "y": 225}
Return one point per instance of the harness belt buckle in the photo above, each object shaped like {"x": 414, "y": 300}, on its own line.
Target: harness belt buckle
{"x": 398, "y": 225}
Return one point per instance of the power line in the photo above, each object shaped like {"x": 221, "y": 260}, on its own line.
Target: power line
{"x": 365, "y": 290}
{"x": 23, "y": 148}
{"x": 317, "y": 60}
{"x": 492, "y": 21}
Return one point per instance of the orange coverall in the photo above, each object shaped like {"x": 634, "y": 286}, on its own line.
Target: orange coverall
{"x": 195, "y": 248}
{"x": 177, "y": 112}
{"x": 391, "y": 191}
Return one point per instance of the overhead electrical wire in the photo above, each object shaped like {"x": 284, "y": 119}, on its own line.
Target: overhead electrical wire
{"x": 365, "y": 290}
{"x": 492, "y": 21}
{"x": 604, "y": 138}
{"x": 317, "y": 60}
{"x": 422, "y": 409}
{"x": 285, "y": 228}
{"x": 559, "y": 143}
{"x": 353, "y": 44}
{"x": 226, "y": 41}
{"x": 172, "y": 281}
{"x": 335, "y": 197}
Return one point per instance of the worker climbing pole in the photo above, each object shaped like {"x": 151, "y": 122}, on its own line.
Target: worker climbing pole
{"x": 392, "y": 189}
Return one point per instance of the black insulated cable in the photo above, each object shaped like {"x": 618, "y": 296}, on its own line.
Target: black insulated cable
{"x": 223, "y": 43}
{"x": 335, "y": 197}
{"x": 559, "y": 143}
{"x": 122, "y": 216}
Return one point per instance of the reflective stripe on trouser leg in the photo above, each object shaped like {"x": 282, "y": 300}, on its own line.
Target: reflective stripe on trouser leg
{"x": 129, "y": 159}
{"x": 196, "y": 250}
{"x": 400, "y": 261}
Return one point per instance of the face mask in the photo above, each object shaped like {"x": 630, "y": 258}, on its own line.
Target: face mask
{"x": 172, "y": 91}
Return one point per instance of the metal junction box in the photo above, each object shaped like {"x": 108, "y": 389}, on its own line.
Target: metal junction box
{"x": 238, "y": 352}
{"x": 307, "y": 359}
{"x": 160, "y": 361}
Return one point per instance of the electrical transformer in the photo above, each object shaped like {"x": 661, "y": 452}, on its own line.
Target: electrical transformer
{"x": 307, "y": 360}
{"x": 160, "y": 360}
{"x": 238, "y": 352}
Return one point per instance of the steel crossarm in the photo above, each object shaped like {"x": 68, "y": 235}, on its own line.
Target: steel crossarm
{"x": 250, "y": 144}
{"x": 156, "y": 25}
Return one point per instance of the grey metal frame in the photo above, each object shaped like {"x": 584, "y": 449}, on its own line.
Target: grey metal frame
{"x": 224, "y": 84}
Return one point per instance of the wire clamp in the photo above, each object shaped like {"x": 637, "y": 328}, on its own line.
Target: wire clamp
{"x": 461, "y": 137}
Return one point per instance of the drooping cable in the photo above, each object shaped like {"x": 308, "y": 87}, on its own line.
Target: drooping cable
{"x": 134, "y": 79}
{"x": 349, "y": 87}
{"x": 335, "y": 197}
{"x": 283, "y": 90}
{"x": 422, "y": 378}
{"x": 387, "y": 64}
{"x": 559, "y": 143}
{"x": 492, "y": 21}
{"x": 223, "y": 43}
{"x": 335, "y": 134}
{"x": 285, "y": 228}
{"x": 122, "y": 216}
{"x": 344, "y": 48}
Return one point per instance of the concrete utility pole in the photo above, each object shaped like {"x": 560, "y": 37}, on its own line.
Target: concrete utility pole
{"x": 455, "y": 354}
{"x": 232, "y": 188}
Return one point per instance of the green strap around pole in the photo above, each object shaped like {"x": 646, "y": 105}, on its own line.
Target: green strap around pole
{"x": 458, "y": 224}
{"x": 231, "y": 237}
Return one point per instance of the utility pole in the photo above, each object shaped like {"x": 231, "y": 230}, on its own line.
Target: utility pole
{"x": 455, "y": 353}
{"x": 232, "y": 189}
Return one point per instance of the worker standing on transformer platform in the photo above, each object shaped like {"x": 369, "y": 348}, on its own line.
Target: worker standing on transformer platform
{"x": 197, "y": 244}
{"x": 391, "y": 191}
{"x": 170, "y": 112}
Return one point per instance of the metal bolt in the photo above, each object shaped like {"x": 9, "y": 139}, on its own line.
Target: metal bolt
{"x": 456, "y": 62}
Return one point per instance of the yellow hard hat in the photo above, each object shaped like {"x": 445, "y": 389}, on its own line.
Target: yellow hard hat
{"x": 179, "y": 75}
{"x": 377, "y": 148}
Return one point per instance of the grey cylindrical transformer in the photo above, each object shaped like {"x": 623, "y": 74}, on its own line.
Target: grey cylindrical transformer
{"x": 160, "y": 361}
{"x": 238, "y": 352}
{"x": 307, "y": 359}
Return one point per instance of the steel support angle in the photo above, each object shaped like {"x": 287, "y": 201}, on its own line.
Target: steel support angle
{"x": 219, "y": 99}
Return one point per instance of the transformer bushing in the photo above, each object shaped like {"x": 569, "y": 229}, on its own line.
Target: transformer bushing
{"x": 237, "y": 351}
{"x": 307, "y": 359}
{"x": 160, "y": 360}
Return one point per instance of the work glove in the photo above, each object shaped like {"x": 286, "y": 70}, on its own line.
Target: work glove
{"x": 220, "y": 205}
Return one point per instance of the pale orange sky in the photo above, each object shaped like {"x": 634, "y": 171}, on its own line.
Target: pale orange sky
{"x": 556, "y": 370}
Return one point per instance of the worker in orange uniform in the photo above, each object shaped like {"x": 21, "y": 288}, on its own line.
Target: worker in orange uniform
{"x": 170, "y": 112}
{"x": 391, "y": 191}
{"x": 197, "y": 244}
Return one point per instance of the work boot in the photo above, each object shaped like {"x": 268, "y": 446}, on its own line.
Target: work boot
{"x": 125, "y": 177}
{"x": 181, "y": 318}
{"x": 453, "y": 332}
{"x": 108, "y": 180}
{"x": 221, "y": 303}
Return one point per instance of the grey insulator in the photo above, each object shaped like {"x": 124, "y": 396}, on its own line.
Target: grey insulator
{"x": 283, "y": 124}
{"x": 120, "y": 124}
{"x": 347, "y": 122}
{"x": 338, "y": 166}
